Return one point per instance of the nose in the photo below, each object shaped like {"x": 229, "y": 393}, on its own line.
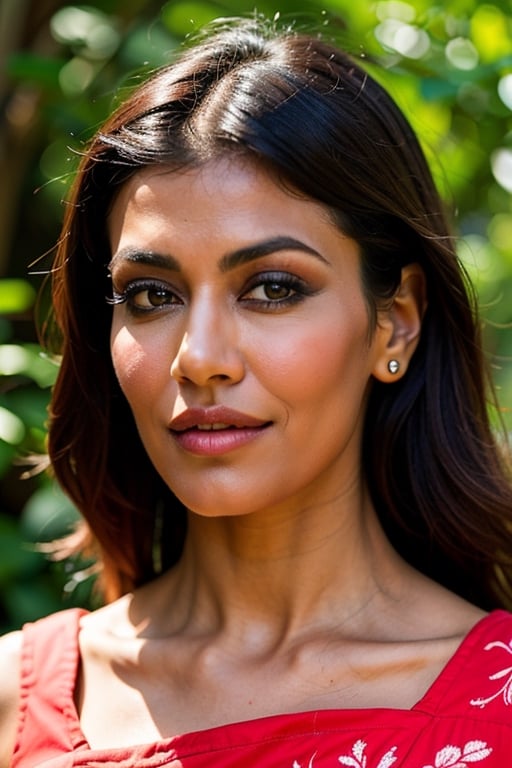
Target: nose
{"x": 209, "y": 350}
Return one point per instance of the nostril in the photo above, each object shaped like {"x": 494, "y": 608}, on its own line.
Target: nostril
{"x": 208, "y": 353}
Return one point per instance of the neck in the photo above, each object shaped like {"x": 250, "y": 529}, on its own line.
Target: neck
{"x": 283, "y": 570}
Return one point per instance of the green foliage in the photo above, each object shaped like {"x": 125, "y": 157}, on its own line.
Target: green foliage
{"x": 29, "y": 585}
{"x": 449, "y": 65}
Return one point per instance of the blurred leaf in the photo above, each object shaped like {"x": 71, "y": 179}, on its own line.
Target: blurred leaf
{"x": 16, "y": 296}
{"x": 181, "y": 18}
{"x": 48, "y": 515}
{"x": 29, "y": 404}
{"x": 434, "y": 89}
{"x": 31, "y": 600}
{"x": 490, "y": 31}
{"x": 7, "y": 454}
{"x": 28, "y": 360}
{"x": 12, "y": 429}
{"x": 35, "y": 69}
{"x": 5, "y": 329}
{"x": 15, "y": 559}
{"x": 86, "y": 29}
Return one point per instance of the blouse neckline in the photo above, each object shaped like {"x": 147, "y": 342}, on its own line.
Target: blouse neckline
{"x": 234, "y": 733}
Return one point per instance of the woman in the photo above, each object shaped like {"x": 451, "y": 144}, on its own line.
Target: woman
{"x": 271, "y": 411}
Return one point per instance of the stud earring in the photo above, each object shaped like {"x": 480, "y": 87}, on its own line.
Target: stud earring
{"x": 393, "y": 366}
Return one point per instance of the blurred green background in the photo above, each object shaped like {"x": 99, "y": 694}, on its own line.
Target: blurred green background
{"x": 62, "y": 68}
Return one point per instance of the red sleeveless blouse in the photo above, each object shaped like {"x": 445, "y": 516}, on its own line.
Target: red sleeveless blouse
{"x": 463, "y": 721}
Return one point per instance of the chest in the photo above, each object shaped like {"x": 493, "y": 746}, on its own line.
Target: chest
{"x": 164, "y": 692}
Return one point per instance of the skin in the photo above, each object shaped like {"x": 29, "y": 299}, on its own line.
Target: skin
{"x": 287, "y": 582}
{"x": 222, "y": 346}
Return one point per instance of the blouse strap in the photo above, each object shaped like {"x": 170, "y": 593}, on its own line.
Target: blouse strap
{"x": 48, "y": 723}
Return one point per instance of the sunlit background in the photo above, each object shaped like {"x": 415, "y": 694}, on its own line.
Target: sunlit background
{"x": 64, "y": 66}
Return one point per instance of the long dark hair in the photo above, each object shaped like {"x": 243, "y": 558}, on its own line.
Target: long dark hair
{"x": 312, "y": 116}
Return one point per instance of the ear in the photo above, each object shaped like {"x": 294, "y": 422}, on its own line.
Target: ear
{"x": 399, "y": 325}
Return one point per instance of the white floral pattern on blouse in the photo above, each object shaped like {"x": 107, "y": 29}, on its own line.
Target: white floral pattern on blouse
{"x": 506, "y": 689}
{"x": 358, "y": 758}
{"x": 448, "y": 757}
{"x": 454, "y": 757}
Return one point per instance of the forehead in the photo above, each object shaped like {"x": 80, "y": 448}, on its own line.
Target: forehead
{"x": 217, "y": 179}
{"x": 229, "y": 195}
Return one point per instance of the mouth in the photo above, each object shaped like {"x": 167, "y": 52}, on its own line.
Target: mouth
{"x": 215, "y": 431}
{"x": 214, "y": 419}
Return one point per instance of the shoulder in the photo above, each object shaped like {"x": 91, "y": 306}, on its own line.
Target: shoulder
{"x": 10, "y": 662}
{"x": 477, "y": 681}
{"x": 489, "y": 651}
{"x": 494, "y": 627}
{"x": 118, "y": 619}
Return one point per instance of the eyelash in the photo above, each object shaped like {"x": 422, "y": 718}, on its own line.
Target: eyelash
{"x": 133, "y": 289}
{"x": 299, "y": 289}
{"x": 285, "y": 280}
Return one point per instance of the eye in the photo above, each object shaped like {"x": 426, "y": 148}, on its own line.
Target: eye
{"x": 275, "y": 290}
{"x": 271, "y": 291}
{"x": 150, "y": 298}
{"x": 143, "y": 297}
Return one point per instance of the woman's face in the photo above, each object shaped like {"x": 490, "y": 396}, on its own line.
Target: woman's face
{"x": 240, "y": 338}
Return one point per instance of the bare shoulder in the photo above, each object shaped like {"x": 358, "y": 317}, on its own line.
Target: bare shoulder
{"x": 111, "y": 619}
{"x": 10, "y": 656}
{"x": 432, "y": 612}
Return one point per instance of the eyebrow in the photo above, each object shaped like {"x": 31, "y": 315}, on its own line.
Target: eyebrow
{"x": 228, "y": 262}
{"x": 258, "y": 250}
{"x": 152, "y": 258}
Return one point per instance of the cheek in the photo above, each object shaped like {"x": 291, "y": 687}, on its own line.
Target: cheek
{"x": 324, "y": 357}
{"x": 137, "y": 369}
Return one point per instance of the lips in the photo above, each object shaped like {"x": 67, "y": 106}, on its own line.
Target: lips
{"x": 215, "y": 431}
{"x": 215, "y": 418}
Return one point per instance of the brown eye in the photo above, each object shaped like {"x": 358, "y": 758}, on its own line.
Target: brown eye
{"x": 276, "y": 291}
{"x": 143, "y": 297}
{"x": 146, "y": 299}
{"x": 156, "y": 297}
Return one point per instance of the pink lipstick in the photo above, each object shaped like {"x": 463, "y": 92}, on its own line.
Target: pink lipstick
{"x": 215, "y": 431}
